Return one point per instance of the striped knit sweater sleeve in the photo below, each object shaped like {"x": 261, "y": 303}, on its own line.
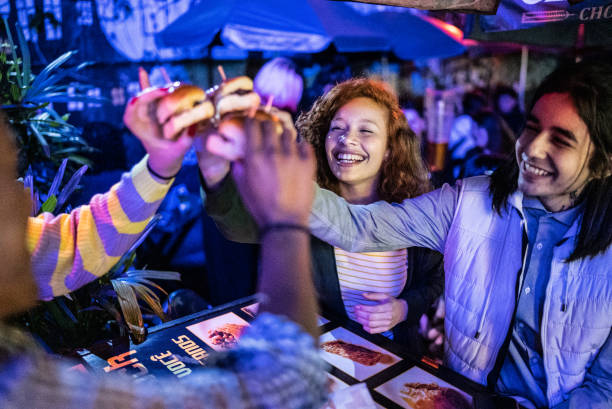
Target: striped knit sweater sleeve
{"x": 71, "y": 250}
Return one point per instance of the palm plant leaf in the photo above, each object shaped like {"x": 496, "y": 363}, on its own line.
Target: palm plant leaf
{"x": 143, "y": 281}
{"x": 52, "y": 77}
{"x": 45, "y": 122}
{"x": 49, "y": 205}
{"x": 155, "y": 274}
{"x": 61, "y": 96}
{"x": 25, "y": 55}
{"x": 44, "y": 77}
{"x": 144, "y": 292}
{"x": 80, "y": 160}
{"x": 140, "y": 282}
{"x": 67, "y": 151}
{"x": 131, "y": 310}
{"x": 41, "y": 139}
{"x": 28, "y": 180}
{"x": 58, "y": 178}
{"x": 150, "y": 299}
{"x": 58, "y": 129}
{"x": 126, "y": 260}
{"x": 28, "y": 184}
{"x": 35, "y": 204}
{"x": 70, "y": 186}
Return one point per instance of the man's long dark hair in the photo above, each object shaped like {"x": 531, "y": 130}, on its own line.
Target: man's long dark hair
{"x": 590, "y": 86}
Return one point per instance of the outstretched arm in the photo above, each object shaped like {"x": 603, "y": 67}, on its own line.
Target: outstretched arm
{"x": 423, "y": 221}
{"x": 70, "y": 250}
{"x": 219, "y": 195}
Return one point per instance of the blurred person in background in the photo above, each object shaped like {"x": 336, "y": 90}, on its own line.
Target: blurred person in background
{"x": 416, "y": 122}
{"x": 506, "y": 104}
{"x": 465, "y": 134}
{"x": 493, "y": 146}
{"x": 500, "y": 138}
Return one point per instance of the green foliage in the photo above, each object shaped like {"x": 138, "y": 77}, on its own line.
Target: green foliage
{"x": 44, "y": 137}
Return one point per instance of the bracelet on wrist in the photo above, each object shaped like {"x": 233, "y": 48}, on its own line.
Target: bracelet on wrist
{"x": 282, "y": 226}
{"x": 157, "y": 175}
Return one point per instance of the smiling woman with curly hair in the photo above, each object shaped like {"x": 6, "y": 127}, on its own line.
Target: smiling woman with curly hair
{"x": 402, "y": 173}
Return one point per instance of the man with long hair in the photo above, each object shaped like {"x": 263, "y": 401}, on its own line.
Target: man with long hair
{"x": 527, "y": 251}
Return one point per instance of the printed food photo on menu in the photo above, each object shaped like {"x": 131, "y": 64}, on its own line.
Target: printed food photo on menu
{"x": 418, "y": 389}
{"x": 355, "y": 355}
{"x": 220, "y": 333}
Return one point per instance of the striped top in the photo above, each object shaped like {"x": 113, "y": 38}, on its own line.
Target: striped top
{"x": 71, "y": 250}
{"x": 380, "y": 272}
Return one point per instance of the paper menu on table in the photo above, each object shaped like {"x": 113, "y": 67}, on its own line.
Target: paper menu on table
{"x": 416, "y": 388}
{"x": 355, "y": 355}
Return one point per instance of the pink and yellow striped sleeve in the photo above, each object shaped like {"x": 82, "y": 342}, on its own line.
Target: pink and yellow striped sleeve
{"x": 71, "y": 250}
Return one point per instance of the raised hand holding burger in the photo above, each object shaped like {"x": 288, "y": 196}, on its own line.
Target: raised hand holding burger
{"x": 217, "y": 117}
{"x": 165, "y": 154}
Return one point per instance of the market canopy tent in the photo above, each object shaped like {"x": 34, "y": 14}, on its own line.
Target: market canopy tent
{"x": 310, "y": 26}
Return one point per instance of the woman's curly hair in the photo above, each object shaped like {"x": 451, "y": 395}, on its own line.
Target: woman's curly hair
{"x": 403, "y": 172}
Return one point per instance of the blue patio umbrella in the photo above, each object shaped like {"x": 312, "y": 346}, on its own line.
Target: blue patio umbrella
{"x": 275, "y": 25}
{"x": 310, "y": 26}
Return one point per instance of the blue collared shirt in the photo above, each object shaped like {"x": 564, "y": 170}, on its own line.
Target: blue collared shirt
{"x": 523, "y": 370}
